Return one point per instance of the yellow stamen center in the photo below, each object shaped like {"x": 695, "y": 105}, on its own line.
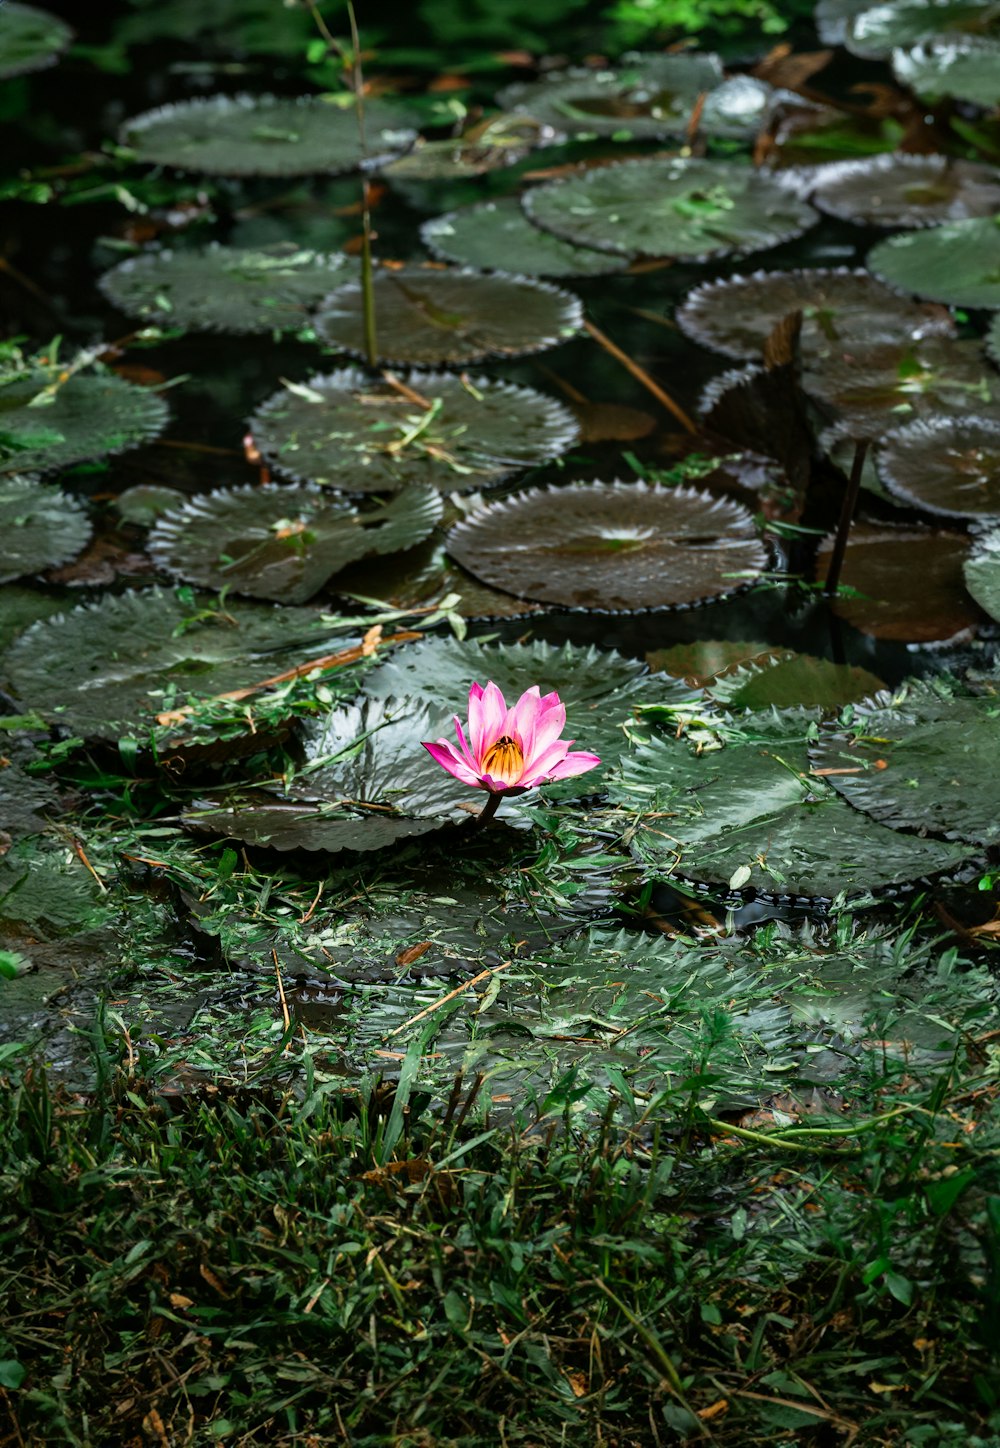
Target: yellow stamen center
{"x": 504, "y": 760}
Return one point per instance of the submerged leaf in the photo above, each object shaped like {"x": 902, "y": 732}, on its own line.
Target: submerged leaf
{"x": 689, "y": 209}
{"x": 790, "y": 680}
{"x": 903, "y": 584}
{"x": 617, "y": 547}
{"x": 454, "y": 434}
{"x": 223, "y": 288}
{"x": 446, "y": 318}
{"x": 284, "y": 543}
{"x": 268, "y": 135}
{"x": 40, "y": 525}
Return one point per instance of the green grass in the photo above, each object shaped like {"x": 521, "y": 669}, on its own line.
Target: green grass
{"x": 381, "y": 1265}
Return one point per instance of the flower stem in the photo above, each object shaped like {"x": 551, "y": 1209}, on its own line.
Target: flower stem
{"x": 488, "y": 810}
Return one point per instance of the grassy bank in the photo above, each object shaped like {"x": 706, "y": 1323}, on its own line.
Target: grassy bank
{"x": 371, "y": 1266}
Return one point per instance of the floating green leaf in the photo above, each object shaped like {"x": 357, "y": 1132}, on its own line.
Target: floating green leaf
{"x": 267, "y": 135}
{"x": 48, "y": 423}
{"x": 30, "y": 39}
{"x": 427, "y": 576}
{"x": 284, "y": 543}
{"x": 870, "y": 389}
{"x": 41, "y": 526}
{"x": 840, "y": 310}
{"x": 616, "y": 547}
{"x": 982, "y": 572}
{"x": 945, "y": 465}
{"x": 876, "y": 30}
{"x": 957, "y": 263}
{"x": 109, "y": 668}
{"x": 924, "y": 762}
{"x": 966, "y": 67}
{"x": 497, "y": 236}
{"x": 755, "y": 804}
{"x": 223, "y": 288}
{"x": 692, "y": 210}
{"x": 437, "y": 318}
{"x": 454, "y": 434}
{"x": 789, "y": 680}
{"x": 905, "y": 190}
{"x": 489, "y": 145}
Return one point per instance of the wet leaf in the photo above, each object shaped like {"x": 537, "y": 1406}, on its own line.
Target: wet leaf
{"x": 426, "y": 575}
{"x": 618, "y": 547}
{"x": 246, "y": 135}
{"x": 945, "y": 465}
{"x": 427, "y": 317}
{"x": 689, "y": 209}
{"x": 46, "y": 423}
{"x": 905, "y": 584}
{"x": 497, "y": 236}
{"x": 40, "y": 524}
{"x": 874, "y": 31}
{"x": 966, "y": 67}
{"x": 957, "y": 263}
{"x": 490, "y": 145}
{"x": 982, "y": 572}
{"x": 755, "y": 803}
{"x": 30, "y": 39}
{"x": 284, "y": 543}
{"x": 924, "y": 762}
{"x": 840, "y": 310}
{"x": 904, "y": 190}
{"x": 351, "y": 432}
{"x": 223, "y": 288}
{"x": 789, "y": 680}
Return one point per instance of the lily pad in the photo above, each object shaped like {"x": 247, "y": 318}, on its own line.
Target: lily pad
{"x": 840, "y": 310}
{"x": 446, "y": 318}
{"x": 945, "y": 465}
{"x": 25, "y": 799}
{"x": 20, "y": 607}
{"x": 832, "y": 18}
{"x": 924, "y": 763}
{"x": 905, "y": 584}
{"x": 41, "y": 526}
{"x": 489, "y": 145}
{"x": 46, "y": 423}
{"x": 705, "y": 659}
{"x": 754, "y": 805}
{"x": 982, "y": 572}
{"x": 689, "y": 209}
{"x": 109, "y": 668}
{"x": 957, "y": 263}
{"x": 426, "y": 576}
{"x": 366, "y": 782}
{"x": 497, "y": 236}
{"x": 904, "y": 190}
{"x": 284, "y": 543}
{"x": 223, "y": 288}
{"x": 648, "y": 96}
{"x": 616, "y": 547}
{"x": 993, "y": 341}
{"x": 878, "y": 29}
{"x": 790, "y": 680}
{"x": 266, "y": 135}
{"x": 454, "y": 434}
{"x": 146, "y": 502}
{"x": 965, "y": 67}
{"x": 871, "y": 389}
{"x": 30, "y": 39}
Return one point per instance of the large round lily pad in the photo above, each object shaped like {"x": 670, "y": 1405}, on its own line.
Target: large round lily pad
{"x": 366, "y": 782}
{"x": 903, "y": 190}
{"x": 982, "y": 572}
{"x": 966, "y": 67}
{"x": 840, "y": 310}
{"x": 644, "y": 96}
{"x": 497, "y": 236}
{"x": 109, "y": 668}
{"x": 40, "y": 525}
{"x": 224, "y": 288}
{"x": 870, "y": 389}
{"x": 428, "y": 317}
{"x": 46, "y": 423}
{"x": 927, "y": 764}
{"x": 246, "y": 135}
{"x": 754, "y": 806}
{"x": 618, "y": 547}
{"x": 945, "y": 465}
{"x": 284, "y": 543}
{"x": 783, "y": 679}
{"x": 426, "y": 576}
{"x": 454, "y": 434}
{"x": 878, "y": 29}
{"x": 902, "y": 583}
{"x": 689, "y": 209}
{"x": 957, "y": 263}
{"x": 30, "y": 39}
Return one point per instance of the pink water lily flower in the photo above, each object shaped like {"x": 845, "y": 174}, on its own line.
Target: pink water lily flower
{"x": 510, "y": 749}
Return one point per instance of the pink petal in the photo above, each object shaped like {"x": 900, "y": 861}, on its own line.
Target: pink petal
{"x": 522, "y": 720}
{"x": 542, "y": 765}
{"x": 467, "y": 754}
{"x": 577, "y": 763}
{"x": 495, "y": 786}
{"x": 549, "y": 724}
{"x": 487, "y": 711}
{"x": 446, "y": 755}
